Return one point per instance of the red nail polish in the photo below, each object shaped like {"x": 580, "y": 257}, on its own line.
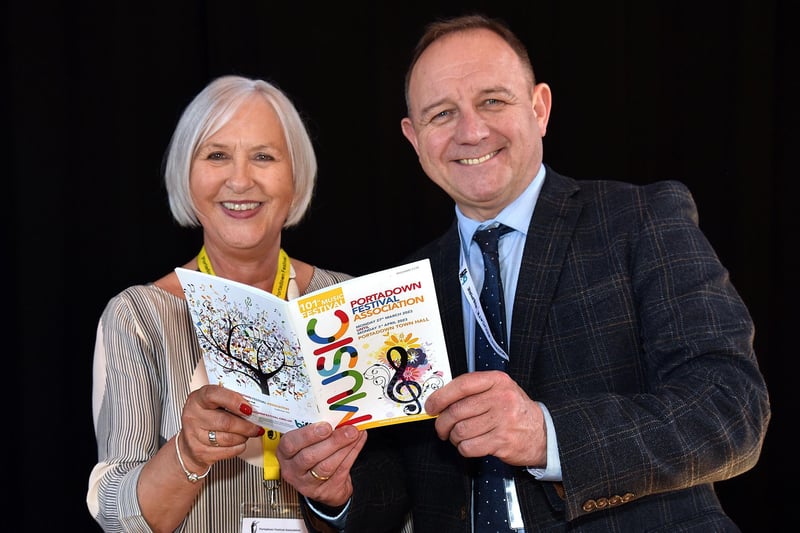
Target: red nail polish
{"x": 261, "y": 431}
{"x": 246, "y": 409}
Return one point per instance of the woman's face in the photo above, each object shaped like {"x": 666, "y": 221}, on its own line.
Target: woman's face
{"x": 241, "y": 180}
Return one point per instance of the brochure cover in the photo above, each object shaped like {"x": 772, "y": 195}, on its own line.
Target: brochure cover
{"x": 366, "y": 351}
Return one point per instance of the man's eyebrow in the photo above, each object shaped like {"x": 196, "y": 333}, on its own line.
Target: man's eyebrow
{"x": 427, "y": 109}
{"x": 495, "y": 90}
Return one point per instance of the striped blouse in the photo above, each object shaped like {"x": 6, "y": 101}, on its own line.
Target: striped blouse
{"x": 146, "y": 362}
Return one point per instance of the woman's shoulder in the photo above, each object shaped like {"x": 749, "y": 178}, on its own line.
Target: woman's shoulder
{"x": 322, "y": 277}
{"x": 144, "y": 298}
{"x": 310, "y": 278}
{"x": 171, "y": 284}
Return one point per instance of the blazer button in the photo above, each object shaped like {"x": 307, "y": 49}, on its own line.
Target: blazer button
{"x": 463, "y": 513}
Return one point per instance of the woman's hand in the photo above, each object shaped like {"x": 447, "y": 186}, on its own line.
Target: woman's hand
{"x": 212, "y": 427}
{"x": 316, "y": 460}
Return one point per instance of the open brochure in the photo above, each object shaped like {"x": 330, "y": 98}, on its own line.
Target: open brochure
{"x": 366, "y": 351}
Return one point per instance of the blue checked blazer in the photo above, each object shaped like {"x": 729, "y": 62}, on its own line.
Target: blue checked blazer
{"x": 627, "y": 327}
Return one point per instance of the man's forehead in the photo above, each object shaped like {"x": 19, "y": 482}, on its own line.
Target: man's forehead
{"x": 461, "y": 65}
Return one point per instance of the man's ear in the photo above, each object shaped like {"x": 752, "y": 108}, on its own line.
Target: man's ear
{"x": 542, "y": 103}
{"x": 409, "y": 133}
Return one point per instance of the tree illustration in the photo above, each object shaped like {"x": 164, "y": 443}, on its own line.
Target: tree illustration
{"x": 251, "y": 345}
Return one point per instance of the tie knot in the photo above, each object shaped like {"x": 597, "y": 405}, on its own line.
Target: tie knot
{"x": 488, "y": 238}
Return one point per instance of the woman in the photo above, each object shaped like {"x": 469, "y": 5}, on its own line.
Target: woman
{"x": 173, "y": 452}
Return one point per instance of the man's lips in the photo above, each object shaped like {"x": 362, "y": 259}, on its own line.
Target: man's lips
{"x": 477, "y": 160}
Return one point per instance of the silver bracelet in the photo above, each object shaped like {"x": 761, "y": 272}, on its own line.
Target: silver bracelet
{"x": 191, "y": 476}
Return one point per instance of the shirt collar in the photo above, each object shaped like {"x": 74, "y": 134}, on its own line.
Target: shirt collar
{"x": 517, "y": 215}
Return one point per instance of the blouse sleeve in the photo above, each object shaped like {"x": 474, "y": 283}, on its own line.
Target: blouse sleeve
{"x": 126, "y": 408}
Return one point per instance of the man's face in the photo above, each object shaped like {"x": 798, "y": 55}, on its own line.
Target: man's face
{"x": 476, "y": 120}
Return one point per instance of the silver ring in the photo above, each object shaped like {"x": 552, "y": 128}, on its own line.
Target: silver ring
{"x": 212, "y": 438}
{"x": 317, "y": 476}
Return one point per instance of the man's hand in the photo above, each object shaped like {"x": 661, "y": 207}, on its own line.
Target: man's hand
{"x": 487, "y": 413}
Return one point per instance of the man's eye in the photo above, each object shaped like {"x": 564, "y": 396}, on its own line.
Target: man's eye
{"x": 496, "y": 102}
{"x": 441, "y": 115}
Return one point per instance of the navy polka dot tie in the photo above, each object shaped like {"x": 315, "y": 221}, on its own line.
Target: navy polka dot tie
{"x": 491, "y": 511}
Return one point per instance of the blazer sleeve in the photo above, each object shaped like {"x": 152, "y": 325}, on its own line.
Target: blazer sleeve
{"x": 646, "y": 362}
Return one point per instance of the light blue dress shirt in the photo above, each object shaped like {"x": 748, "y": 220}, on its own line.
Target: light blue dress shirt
{"x": 517, "y": 216}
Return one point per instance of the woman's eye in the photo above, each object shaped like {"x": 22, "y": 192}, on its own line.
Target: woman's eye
{"x": 216, "y": 155}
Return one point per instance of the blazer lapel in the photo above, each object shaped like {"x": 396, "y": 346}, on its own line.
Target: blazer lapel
{"x": 444, "y": 264}
{"x": 549, "y": 235}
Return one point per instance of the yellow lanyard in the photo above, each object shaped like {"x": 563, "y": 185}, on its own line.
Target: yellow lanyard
{"x": 269, "y": 440}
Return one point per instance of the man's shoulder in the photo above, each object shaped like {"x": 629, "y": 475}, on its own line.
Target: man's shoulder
{"x": 657, "y": 196}
{"x": 611, "y": 202}
{"x": 607, "y": 191}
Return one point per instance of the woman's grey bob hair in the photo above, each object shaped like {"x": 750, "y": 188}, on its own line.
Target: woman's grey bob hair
{"x": 211, "y": 109}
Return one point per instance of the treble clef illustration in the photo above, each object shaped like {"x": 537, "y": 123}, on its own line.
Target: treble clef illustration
{"x": 398, "y": 384}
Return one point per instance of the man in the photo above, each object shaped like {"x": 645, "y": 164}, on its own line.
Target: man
{"x": 631, "y": 384}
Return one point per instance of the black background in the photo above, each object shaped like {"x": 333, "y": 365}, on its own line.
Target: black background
{"x": 702, "y": 92}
